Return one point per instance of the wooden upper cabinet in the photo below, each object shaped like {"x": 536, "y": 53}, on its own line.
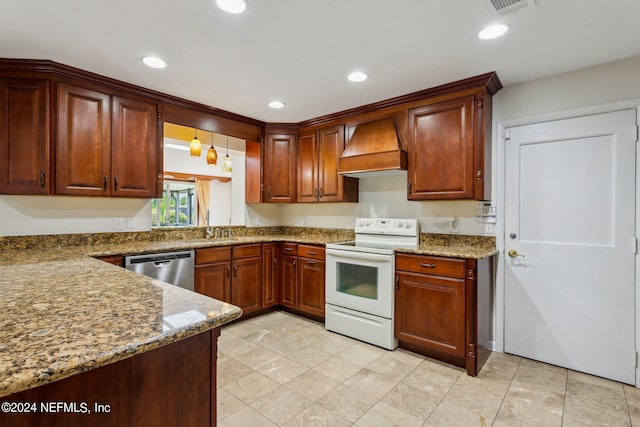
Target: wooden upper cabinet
{"x": 83, "y": 144}
{"x": 24, "y": 137}
{"x": 279, "y": 167}
{"x": 330, "y": 148}
{"x": 318, "y": 178}
{"x": 134, "y": 148}
{"x": 448, "y": 150}
{"x": 307, "y": 167}
{"x": 106, "y": 145}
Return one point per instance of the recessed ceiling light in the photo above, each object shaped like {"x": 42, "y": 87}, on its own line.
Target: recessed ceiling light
{"x": 153, "y": 62}
{"x": 232, "y": 6}
{"x": 276, "y": 104}
{"x": 493, "y": 31}
{"x": 358, "y": 76}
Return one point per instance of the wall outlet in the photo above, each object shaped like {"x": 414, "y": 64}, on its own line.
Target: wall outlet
{"x": 455, "y": 225}
{"x": 119, "y": 223}
{"x": 489, "y": 229}
{"x": 131, "y": 223}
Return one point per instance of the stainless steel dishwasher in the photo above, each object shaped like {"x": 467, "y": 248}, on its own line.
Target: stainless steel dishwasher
{"x": 176, "y": 268}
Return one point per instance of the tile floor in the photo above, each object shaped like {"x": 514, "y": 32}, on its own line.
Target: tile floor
{"x": 282, "y": 370}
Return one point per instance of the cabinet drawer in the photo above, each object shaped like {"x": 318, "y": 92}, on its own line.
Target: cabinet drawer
{"x": 451, "y": 267}
{"x": 309, "y": 251}
{"x": 210, "y": 255}
{"x": 289, "y": 248}
{"x": 246, "y": 251}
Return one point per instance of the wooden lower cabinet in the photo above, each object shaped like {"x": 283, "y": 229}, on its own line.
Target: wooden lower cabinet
{"x": 173, "y": 385}
{"x": 214, "y": 280}
{"x": 246, "y": 284}
{"x": 232, "y": 274}
{"x": 302, "y": 280}
{"x": 311, "y": 286}
{"x": 271, "y": 274}
{"x": 442, "y": 308}
{"x": 289, "y": 281}
{"x": 117, "y": 260}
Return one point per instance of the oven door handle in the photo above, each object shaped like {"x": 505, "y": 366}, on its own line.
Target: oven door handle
{"x": 359, "y": 255}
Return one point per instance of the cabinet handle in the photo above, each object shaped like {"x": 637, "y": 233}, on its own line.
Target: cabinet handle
{"x": 229, "y": 270}
{"x": 269, "y": 194}
{"x": 42, "y": 181}
{"x": 275, "y": 263}
{"x": 320, "y": 193}
{"x": 295, "y": 262}
{"x": 409, "y": 188}
{"x": 312, "y": 262}
{"x": 106, "y": 182}
{"x": 315, "y": 193}
{"x": 288, "y": 249}
{"x": 311, "y": 252}
{"x": 397, "y": 283}
{"x": 422, "y": 264}
{"x": 115, "y": 182}
{"x": 235, "y": 270}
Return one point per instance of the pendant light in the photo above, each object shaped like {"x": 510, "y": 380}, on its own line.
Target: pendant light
{"x": 195, "y": 148}
{"x": 226, "y": 163}
{"x": 212, "y": 154}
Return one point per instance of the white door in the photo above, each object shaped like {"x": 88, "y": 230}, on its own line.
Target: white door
{"x": 569, "y": 217}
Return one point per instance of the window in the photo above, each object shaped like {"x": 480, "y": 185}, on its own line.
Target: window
{"x": 178, "y": 206}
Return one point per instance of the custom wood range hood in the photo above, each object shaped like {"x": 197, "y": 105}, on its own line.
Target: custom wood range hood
{"x": 374, "y": 149}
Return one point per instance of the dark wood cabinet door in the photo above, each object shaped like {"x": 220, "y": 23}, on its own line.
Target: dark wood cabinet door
{"x": 280, "y": 170}
{"x": 311, "y": 286}
{"x": 246, "y": 284}
{"x": 441, "y": 150}
{"x": 271, "y": 273}
{"x": 430, "y": 312}
{"x": 134, "y": 148}
{"x": 24, "y": 137}
{"x": 214, "y": 280}
{"x": 307, "y": 167}
{"x": 83, "y": 145}
{"x": 289, "y": 281}
{"x": 330, "y": 148}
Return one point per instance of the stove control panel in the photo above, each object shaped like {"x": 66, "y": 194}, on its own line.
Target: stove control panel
{"x": 390, "y": 226}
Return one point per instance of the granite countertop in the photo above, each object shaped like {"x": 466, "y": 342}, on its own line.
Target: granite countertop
{"x": 65, "y": 316}
{"x": 65, "y": 312}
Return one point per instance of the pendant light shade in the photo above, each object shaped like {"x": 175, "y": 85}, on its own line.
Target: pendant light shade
{"x": 212, "y": 154}
{"x": 226, "y": 162}
{"x": 195, "y": 148}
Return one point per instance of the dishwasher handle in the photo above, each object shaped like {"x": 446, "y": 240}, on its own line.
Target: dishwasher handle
{"x": 161, "y": 264}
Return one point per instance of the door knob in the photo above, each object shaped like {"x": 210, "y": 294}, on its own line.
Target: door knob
{"x": 514, "y": 254}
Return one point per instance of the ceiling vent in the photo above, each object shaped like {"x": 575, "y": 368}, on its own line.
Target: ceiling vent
{"x": 505, "y": 7}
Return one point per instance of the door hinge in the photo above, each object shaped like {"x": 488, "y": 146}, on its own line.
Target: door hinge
{"x": 635, "y": 245}
{"x": 637, "y": 133}
{"x": 636, "y": 359}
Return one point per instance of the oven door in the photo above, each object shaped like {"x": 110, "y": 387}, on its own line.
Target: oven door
{"x": 360, "y": 281}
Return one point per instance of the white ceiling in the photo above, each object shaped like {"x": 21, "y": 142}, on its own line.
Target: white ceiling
{"x": 300, "y": 51}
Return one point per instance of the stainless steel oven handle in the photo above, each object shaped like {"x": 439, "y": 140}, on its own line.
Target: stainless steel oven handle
{"x": 359, "y": 255}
